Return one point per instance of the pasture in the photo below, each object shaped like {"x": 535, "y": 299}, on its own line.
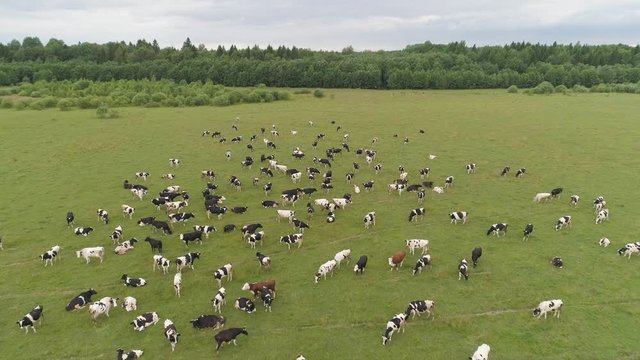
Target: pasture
{"x": 52, "y": 162}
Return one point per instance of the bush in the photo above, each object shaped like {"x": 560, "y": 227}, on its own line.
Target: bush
{"x": 113, "y": 113}
{"x": 281, "y": 95}
{"x": 544, "y": 87}
{"x": 89, "y": 102}
{"x": 561, "y": 89}
{"x": 20, "y": 105}
{"x": 102, "y": 111}
{"x": 6, "y": 104}
{"x": 158, "y": 97}
{"x": 318, "y": 93}
{"x": 601, "y": 88}
{"x": 512, "y": 89}
{"x": 221, "y": 100}
{"x": 141, "y": 99}
{"x": 65, "y": 104}
{"x": 302, "y": 92}
{"x": 579, "y": 89}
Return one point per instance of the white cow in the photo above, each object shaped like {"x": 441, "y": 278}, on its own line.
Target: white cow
{"x": 604, "y": 242}
{"x": 438, "y": 190}
{"x": 370, "y": 219}
{"x": 342, "y": 255}
{"x": 285, "y": 214}
{"x": 548, "y": 306}
{"x": 89, "y": 252}
{"x": 130, "y": 303}
{"x": 341, "y": 202}
{"x": 325, "y": 269}
{"x": 602, "y": 216}
{"x": 414, "y": 244}
{"x": 482, "y": 353}
{"x": 321, "y": 202}
{"x": 177, "y": 283}
{"x": 102, "y": 307}
{"x": 542, "y": 197}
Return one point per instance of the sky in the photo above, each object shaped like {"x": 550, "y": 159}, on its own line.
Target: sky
{"x": 323, "y": 25}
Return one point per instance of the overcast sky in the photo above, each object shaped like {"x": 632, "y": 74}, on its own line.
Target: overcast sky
{"x": 326, "y": 25}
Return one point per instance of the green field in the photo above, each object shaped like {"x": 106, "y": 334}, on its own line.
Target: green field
{"x": 52, "y": 162}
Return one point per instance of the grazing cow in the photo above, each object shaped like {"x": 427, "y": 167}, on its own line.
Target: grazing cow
{"x": 309, "y": 191}
{"x": 133, "y": 282}
{"x": 415, "y": 213}
{"x": 463, "y": 270}
{"x": 292, "y": 239}
{"x": 542, "y": 197}
{"x": 269, "y": 204}
{"x": 191, "y": 236}
{"x": 103, "y": 216}
{"x": 557, "y": 262}
{"x": 602, "y": 216}
{"x": 102, "y": 307}
{"x": 182, "y": 217}
{"x": 162, "y": 225}
{"x": 471, "y": 168}
{"x": 218, "y": 299}
{"x": 245, "y": 305}
{"x": 563, "y": 222}
{"x": 574, "y": 199}
{"x": 556, "y": 192}
{"x": 186, "y": 260}
{"x": 176, "y": 205}
{"x": 256, "y": 287}
{"x": 361, "y": 265}
{"x": 396, "y": 323}
{"x": 157, "y": 202}
{"x": 421, "y": 263}
{"x": 131, "y": 355}
{"x": 84, "y": 231}
{"x": 155, "y": 244}
{"x": 116, "y": 235}
{"x": 481, "y": 353}
{"x": 520, "y": 173}
{"x": 50, "y": 255}
{"x": 370, "y": 219}
{"x": 414, "y": 188}
{"x": 604, "y": 242}
{"x": 145, "y": 320}
{"x": 205, "y": 229}
{"x": 396, "y": 187}
{"x": 299, "y": 225}
{"x": 438, "y": 190}
{"x": 208, "y": 174}
{"x": 127, "y": 211}
{"x": 397, "y": 260}
{"x": 229, "y": 335}
{"x": 505, "y": 171}
{"x": 264, "y": 260}
{"x": 130, "y": 303}
{"x": 448, "y": 181}
{"x": 30, "y": 319}
{"x": 171, "y": 333}
{"x": 208, "y": 321}
{"x": 325, "y": 269}
{"x": 81, "y": 300}
{"x": 629, "y": 249}
{"x": 496, "y": 229}
{"x": 87, "y": 253}
{"x": 177, "y": 283}
{"x": 226, "y": 271}
{"x": 343, "y": 255}
{"x": 168, "y": 176}
{"x": 476, "y": 253}
{"x": 267, "y": 298}
{"x": 161, "y": 262}
{"x": 458, "y": 216}
{"x": 548, "y": 306}
{"x": 414, "y": 244}
{"x": 174, "y": 162}
{"x": 229, "y": 228}
{"x": 70, "y": 218}
{"x": 527, "y": 232}
{"x": 418, "y": 307}
{"x": 285, "y": 214}
{"x": 295, "y": 177}
{"x": 252, "y": 239}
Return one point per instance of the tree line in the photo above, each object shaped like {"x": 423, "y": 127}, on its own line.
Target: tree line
{"x": 421, "y": 66}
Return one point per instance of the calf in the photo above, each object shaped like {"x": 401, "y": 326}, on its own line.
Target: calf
{"x": 264, "y": 260}
{"x": 448, "y": 181}
{"x": 360, "y": 265}
{"x": 292, "y": 239}
{"x": 70, "y": 218}
{"x": 396, "y": 323}
{"x": 458, "y": 216}
{"x": 463, "y": 270}
{"x": 343, "y": 255}
{"x": 29, "y": 320}
{"x": 205, "y": 229}
{"x": 496, "y": 229}
{"x": 177, "y": 283}
{"x": 155, "y": 244}
{"x": 421, "y": 263}
{"x": 299, "y": 225}
{"x": 414, "y": 244}
{"x": 256, "y": 287}
{"x": 103, "y": 215}
{"x": 84, "y": 231}
{"x": 574, "y": 199}
{"x": 285, "y": 214}
{"x": 557, "y": 262}
{"x": 418, "y": 307}
{"x": 81, "y": 300}
{"x": 162, "y": 225}
{"x": 526, "y": 233}
{"x": 415, "y": 213}
{"x": 471, "y": 168}
{"x": 191, "y": 236}
{"x": 563, "y": 222}
{"x": 370, "y": 219}
{"x": 168, "y": 176}
{"x": 116, "y": 235}
{"x": 133, "y": 282}
{"x": 267, "y": 298}
{"x": 520, "y": 173}
{"x": 130, "y": 303}
{"x": 542, "y": 197}
{"x": 127, "y": 211}
{"x": 556, "y": 192}
{"x": 604, "y": 242}
{"x": 505, "y": 171}
{"x": 481, "y": 353}
{"x": 397, "y": 260}
{"x": 186, "y": 260}
{"x": 476, "y": 253}
{"x": 161, "y": 262}
{"x": 602, "y": 216}
{"x": 218, "y": 299}
{"x": 102, "y": 307}
{"x": 245, "y": 305}
{"x": 325, "y": 269}
{"x": 226, "y": 271}
{"x": 145, "y": 320}
{"x": 50, "y": 255}
{"x": 171, "y": 333}
{"x": 548, "y": 306}
{"x": 208, "y": 321}
{"x": 229, "y": 335}
{"x": 90, "y": 252}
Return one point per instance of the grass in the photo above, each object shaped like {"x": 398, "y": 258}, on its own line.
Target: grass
{"x": 53, "y": 162}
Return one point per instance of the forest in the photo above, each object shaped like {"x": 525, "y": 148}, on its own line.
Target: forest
{"x": 420, "y": 66}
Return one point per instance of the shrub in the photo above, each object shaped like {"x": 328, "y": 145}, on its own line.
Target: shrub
{"x": 113, "y": 113}
{"x": 140, "y": 99}
{"x": 221, "y": 100}
{"x": 544, "y": 87}
{"x": 65, "y": 104}
{"x": 318, "y": 93}
{"x": 102, "y": 111}
{"x": 512, "y": 89}
{"x": 561, "y": 89}
{"x": 158, "y": 97}
{"x": 579, "y": 89}
{"x": 20, "y": 105}
{"x": 302, "y": 92}
{"x": 6, "y": 104}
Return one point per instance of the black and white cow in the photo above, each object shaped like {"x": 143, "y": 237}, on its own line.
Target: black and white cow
{"x": 269, "y": 204}
{"x": 415, "y": 213}
{"x": 81, "y": 300}
{"x": 116, "y": 235}
{"x": 103, "y": 215}
{"x": 361, "y": 265}
{"x": 471, "y": 168}
{"x": 245, "y": 305}
{"x": 155, "y": 244}
{"x": 174, "y": 162}
{"x": 162, "y": 225}
{"x": 249, "y": 229}
{"x": 458, "y": 216}
{"x": 396, "y": 323}
{"x": 218, "y": 299}
{"x": 476, "y": 253}
{"x": 520, "y": 173}
{"x": 145, "y": 320}
{"x": 418, "y": 307}
{"x": 168, "y": 176}
{"x": 424, "y": 172}
{"x": 133, "y": 282}
{"x": 88, "y": 253}
{"x": 496, "y": 229}
{"x": 463, "y": 270}
{"x": 481, "y": 353}
{"x": 290, "y": 199}
{"x": 208, "y": 321}
{"x": 161, "y": 262}
{"x": 264, "y": 260}
{"x": 191, "y": 236}
{"x": 186, "y": 260}
{"x": 292, "y": 239}
{"x": 557, "y": 262}
{"x": 210, "y": 174}
{"x": 182, "y": 217}
{"x": 226, "y": 271}
{"x": 142, "y": 175}
{"x": 159, "y": 201}
{"x": 171, "y": 333}
{"x": 102, "y": 307}
{"x": 421, "y": 196}
{"x": 229, "y": 335}
{"x": 130, "y": 355}
{"x": 548, "y": 306}
{"x": 630, "y": 249}
{"x": 602, "y": 216}
{"x": 448, "y": 181}
{"x": 123, "y": 248}
{"x": 30, "y": 319}
{"x": 377, "y": 168}
{"x": 604, "y": 242}
{"x": 50, "y": 255}
{"x": 414, "y": 244}
{"x": 505, "y": 171}
{"x": 252, "y": 239}
{"x": 574, "y": 199}
{"x": 285, "y": 214}
{"x": 239, "y": 209}
{"x": 299, "y": 225}
{"x": 421, "y": 263}
{"x": 563, "y": 222}
{"x": 526, "y": 233}
{"x": 84, "y": 231}
{"x": 325, "y": 269}
{"x": 216, "y": 210}
{"x": 266, "y": 297}
{"x": 205, "y": 229}
{"x": 70, "y": 218}
{"x": 370, "y": 219}
{"x": 368, "y": 186}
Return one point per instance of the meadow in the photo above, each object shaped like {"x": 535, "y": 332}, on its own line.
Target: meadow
{"x": 52, "y": 162}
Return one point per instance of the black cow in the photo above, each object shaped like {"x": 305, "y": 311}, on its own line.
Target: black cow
{"x": 427, "y": 184}
{"x": 527, "y": 231}
{"x": 557, "y": 262}
{"x": 239, "y": 209}
{"x": 30, "y": 319}
{"x": 309, "y": 191}
{"x": 146, "y": 221}
{"x": 556, "y": 192}
{"x": 162, "y": 225}
{"x": 191, "y": 236}
{"x": 160, "y": 201}
{"x": 229, "y": 335}
{"x": 505, "y": 171}
{"x": 229, "y": 228}
{"x": 81, "y": 300}
{"x": 155, "y": 244}
{"x": 300, "y": 225}
{"x": 70, "y": 218}
{"x": 475, "y": 255}
{"x": 361, "y": 264}
{"x": 208, "y": 321}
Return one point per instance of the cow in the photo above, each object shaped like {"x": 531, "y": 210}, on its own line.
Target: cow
{"x": 285, "y": 214}
{"x": 168, "y": 176}
{"x": 421, "y": 263}
{"x": 116, "y": 235}
{"x": 103, "y": 216}
{"x": 102, "y": 307}
{"x": 599, "y": 203}
{"x": 573, "y": 200}
{"x": 205, "y": 229}
{"x": 84, "y": 231}
{"x": 416, "y": 213}
{"x": 186, "y": 260}
{"x": 299, "y": 225}
{"x": 159, "y": 201}
{"x": 130, "y": 303}
{"x": 267, "y": 188}
{"x": 249, "y": 229}
{"x": 162, "y": 225}
{"x": 370, "y": 219}
{"x": 421, "y": 196}
{"x": 397, "y": 260}
{"x": 226, "y": 271}
{"x": 81, "y": 300}
{"x": 216, "y": 210}
{"x": 481, "y": 353}
{"x": 424, "y": 172}
{"x": 229, "y": 228}
{"x": 263, "y": 260}
{"x": 175, "y": 205}
{"x": 343, "y": 255}
{"x": 245, "y": 305}
{"x": 132, "y": 282}
{"x": 476, "y": 253}
{"x": 325, "y": 269}
{"x": 50, "y": 255}
{"x": 191, "y": 236}
{"x": 331, "y": 217}
{"x": 471, "y": 168}
{"x": 292, "y": 239}
{"x": 604, "y": 242}
{"x": 361, "y": 265}
{"x": 131, "y": 355}
{"x": 256, "y": 287}
{"x": 70, "y": 218}
{"x": 555, "y": 193}
{"x": 127, "y": 210}
{"x": 252, "y": 239}
{"x": 463, "y": 270}
{"x": 208, "y": 321}
{"x": 438, "y": 190}
{"x": 309, "y": 191}
{"x": 377, "y": 168}
{"x": 125, "y": 246}
{"x": 87, "y": 253}
{"x": 155, "y": 244}
{"x": 174, "y": 162}
{"x": 557, "y": 262}
{"x": 526, "y": 233}
{"x": 542, "y": 197}
{"x": 496, "y": 229}
{"x": 396, "y": 187}
{"x": 145, "y": 320}
{"x": 368, "y": 186}
{"x": 418, "y": 307}
{"x": 458, "y": 216}
{"x": 548, "y": 306}
{"x": 396, "y": 323}
{"x": 564, "y": 221}
{"x": 289, "y": 199}
{"x": 269, "y": 204}
{"x": 218, "y": 299}
{"x": 602, "y": 216}
{"x": 448, "y": 181}
{"x": 229, "y": 335}
{"x": 267, "y": 298}
{"x": 139, "y": 193}
{"x": 208, "y": 174}
{"x": 160, "y": 262}
{"x": 182, "y": 217}
{"x": 414, "y": 244}
{"x": 30, "y": 319}
{"x": 520, "y": 173}
{"x": 505, "y": 171}
{"x": 629, "y": 249}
